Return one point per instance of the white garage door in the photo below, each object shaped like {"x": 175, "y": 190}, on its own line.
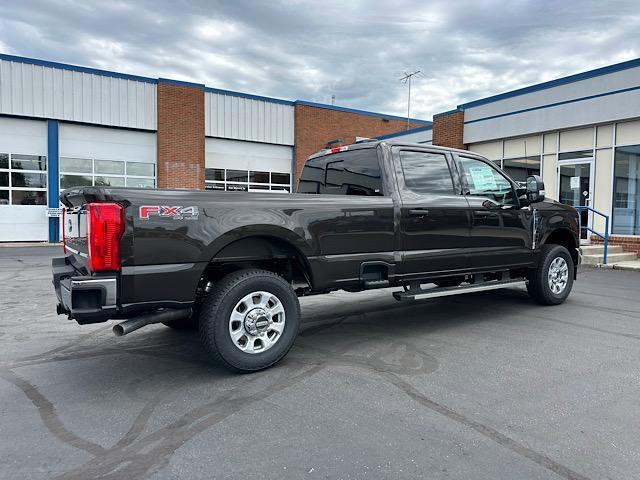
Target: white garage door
{"x": 235, "y": 165}
{"x": 23, "y": 180}
{"x": 106, "y": 157}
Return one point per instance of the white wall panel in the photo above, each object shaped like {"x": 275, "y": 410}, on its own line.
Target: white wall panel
{"x": 578, "y": 139}
{"x": 240, "y": 118}
{"x": 82, "y": 141}
{"x": 490, "y": 150}
{"x": 23, "y": 223}
{"x": 42, "y": 91}
{"x": 628, "y": 133}
{"x": 239, "y": 155}
{"x": 23, "y": 136}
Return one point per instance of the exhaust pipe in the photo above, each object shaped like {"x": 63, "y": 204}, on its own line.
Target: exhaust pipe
{"x": 160, "y": 316}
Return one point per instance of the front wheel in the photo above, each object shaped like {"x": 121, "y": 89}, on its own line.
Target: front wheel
{"x": 551, "y": 282}
{"x": 250, "y": 320}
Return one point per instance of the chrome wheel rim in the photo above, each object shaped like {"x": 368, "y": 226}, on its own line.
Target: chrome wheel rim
{"x": 257, "y": 322}
{"x": 558, "y": 275}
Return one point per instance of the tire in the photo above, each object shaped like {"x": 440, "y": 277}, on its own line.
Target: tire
{"x": 250, "y": 320}
{"x": 542, "y": 287}
{"x": 184, "y": 324}
{"x": 449, "y": 282}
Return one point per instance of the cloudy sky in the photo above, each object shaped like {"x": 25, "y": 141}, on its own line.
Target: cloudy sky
{"x": 310, "y": 50}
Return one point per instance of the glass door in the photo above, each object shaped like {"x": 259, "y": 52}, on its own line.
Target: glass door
{"x": 575, "y": 187}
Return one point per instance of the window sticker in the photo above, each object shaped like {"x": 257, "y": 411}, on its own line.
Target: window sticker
{"x": 575, "y": 183}
{"x": 483, "y": 178}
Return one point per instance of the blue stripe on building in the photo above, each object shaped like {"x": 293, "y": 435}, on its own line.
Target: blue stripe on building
{"x": 53, "y": 177}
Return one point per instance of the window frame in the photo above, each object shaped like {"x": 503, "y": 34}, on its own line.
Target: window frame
{"x": 404, "y": 191}
{"x": 222, "y": 185}
{"x": 492, "y": 165}
{"x": 94, "y": 175}
{"x": 455, "y": 188}
{"x": 10, "y": 188}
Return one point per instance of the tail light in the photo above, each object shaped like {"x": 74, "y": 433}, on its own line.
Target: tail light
{"x": 105, "y": 226}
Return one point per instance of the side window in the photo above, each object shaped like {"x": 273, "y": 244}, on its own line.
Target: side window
{"x": 485, "y": 181}
{"x": 355, "y": 172}
{"x": 312, "y": 176}
{"x": 426, "y": 172}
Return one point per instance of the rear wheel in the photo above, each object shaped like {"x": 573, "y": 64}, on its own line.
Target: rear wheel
{"x": 250, "y": 320}
{"x": 551, "y": 282}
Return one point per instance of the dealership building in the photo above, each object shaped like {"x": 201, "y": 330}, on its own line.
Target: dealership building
{"x": 63, "y": 125}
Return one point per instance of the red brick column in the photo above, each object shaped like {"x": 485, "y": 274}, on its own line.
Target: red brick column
{"x": 315, "y": 126}
{"x": 180, "y": 137}
{"x": 629, "y": 244}
{"x": 448, "y": 129}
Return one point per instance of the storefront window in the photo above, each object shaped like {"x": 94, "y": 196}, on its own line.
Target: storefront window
{"x": 626, "y": 190}
{"x": 521, "y": 168}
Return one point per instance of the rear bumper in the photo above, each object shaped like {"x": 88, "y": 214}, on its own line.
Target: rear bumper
{"x": 83, "y": 298}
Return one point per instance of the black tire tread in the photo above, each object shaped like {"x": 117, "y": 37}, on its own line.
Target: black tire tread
{"x": 209, "y": 314}
{"x": 537, "y": 285}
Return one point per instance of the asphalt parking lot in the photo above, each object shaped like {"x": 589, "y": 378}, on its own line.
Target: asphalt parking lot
{"x": 483, "y": 386}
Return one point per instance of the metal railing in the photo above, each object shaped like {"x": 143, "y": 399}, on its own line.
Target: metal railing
{"x": 605, "y": 235}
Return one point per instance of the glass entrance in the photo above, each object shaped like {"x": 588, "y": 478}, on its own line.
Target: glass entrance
{"x": 575, "y": 189}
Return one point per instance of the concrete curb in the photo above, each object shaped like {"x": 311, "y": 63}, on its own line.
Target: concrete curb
{"x": 28, "y": 244}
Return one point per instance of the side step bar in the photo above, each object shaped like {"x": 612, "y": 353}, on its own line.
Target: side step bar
{"x": 446, "y": 291}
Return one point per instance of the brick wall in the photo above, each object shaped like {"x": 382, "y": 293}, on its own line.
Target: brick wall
{"x": 448, "y": 130}
{"x": 629, "y": 244}
{"x": 180, "y": 136}
{"x": 315, "y": 126}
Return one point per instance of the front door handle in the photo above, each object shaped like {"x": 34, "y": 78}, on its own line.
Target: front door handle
{"x": 419, "y": 212}
{"x": 485, "y": 213}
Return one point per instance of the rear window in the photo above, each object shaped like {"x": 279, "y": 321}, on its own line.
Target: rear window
{"x": 355, "y": 172}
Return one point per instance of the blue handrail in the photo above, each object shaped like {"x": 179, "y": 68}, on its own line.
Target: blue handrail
{"x": 604, "y": 235}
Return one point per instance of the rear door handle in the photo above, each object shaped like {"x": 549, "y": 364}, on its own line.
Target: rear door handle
{"x": 419, "y": 212}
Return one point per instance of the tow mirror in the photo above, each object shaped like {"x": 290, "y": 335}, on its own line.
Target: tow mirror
{"x": 535, "y": 189}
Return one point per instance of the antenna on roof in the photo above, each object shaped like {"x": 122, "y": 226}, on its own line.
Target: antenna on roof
{"x": 407, "y": 80}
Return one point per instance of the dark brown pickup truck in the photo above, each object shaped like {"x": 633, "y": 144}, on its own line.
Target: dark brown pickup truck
{"x": 433, "y": 221}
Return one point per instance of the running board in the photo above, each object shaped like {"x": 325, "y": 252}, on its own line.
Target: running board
{"x": 446, "y": 291}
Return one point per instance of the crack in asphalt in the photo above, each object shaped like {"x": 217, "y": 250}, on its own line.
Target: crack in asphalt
{"x": 49, "y": 415}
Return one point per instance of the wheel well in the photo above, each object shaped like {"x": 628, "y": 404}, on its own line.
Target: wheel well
{"x": 566, "y": 239}
{"x": 267, "y": 253}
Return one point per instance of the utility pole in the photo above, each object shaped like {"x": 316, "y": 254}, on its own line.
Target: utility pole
{"x": 407, "y": 80}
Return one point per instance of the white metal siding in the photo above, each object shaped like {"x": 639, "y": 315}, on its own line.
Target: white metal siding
{"x": 82, "y": 141}
{"x": 240, "y": 118}
{"x": 39, "y": 91}
{"x": 23, "y": 222}
{"x": 221, "y": 153}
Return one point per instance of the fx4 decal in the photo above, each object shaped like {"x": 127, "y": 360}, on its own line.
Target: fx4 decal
{"x": 176, "y": 212}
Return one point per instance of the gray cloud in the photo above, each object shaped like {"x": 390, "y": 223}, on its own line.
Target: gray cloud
{"x": 355, "y": 50}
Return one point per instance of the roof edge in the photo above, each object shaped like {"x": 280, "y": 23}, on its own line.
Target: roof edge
{"x": 405, "y": 132}
{"x": 361, "y": 112}
{"x": 617, "y": 67}
{"x": 75, "y": 68}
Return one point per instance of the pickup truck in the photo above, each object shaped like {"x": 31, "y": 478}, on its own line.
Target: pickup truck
{"x": 431, "y": 221}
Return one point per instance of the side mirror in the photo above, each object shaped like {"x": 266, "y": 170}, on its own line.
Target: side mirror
{"x": 535, "y": 189}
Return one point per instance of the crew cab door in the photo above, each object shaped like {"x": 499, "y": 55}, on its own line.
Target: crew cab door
{"x": 501, "y": 230}
{"x": 434, "y": 223}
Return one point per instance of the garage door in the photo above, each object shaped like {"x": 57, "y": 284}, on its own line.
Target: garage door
{"x": 235, "y": 165}
{"x": 106, "y": 157}
{"x": 23, "y": 180}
